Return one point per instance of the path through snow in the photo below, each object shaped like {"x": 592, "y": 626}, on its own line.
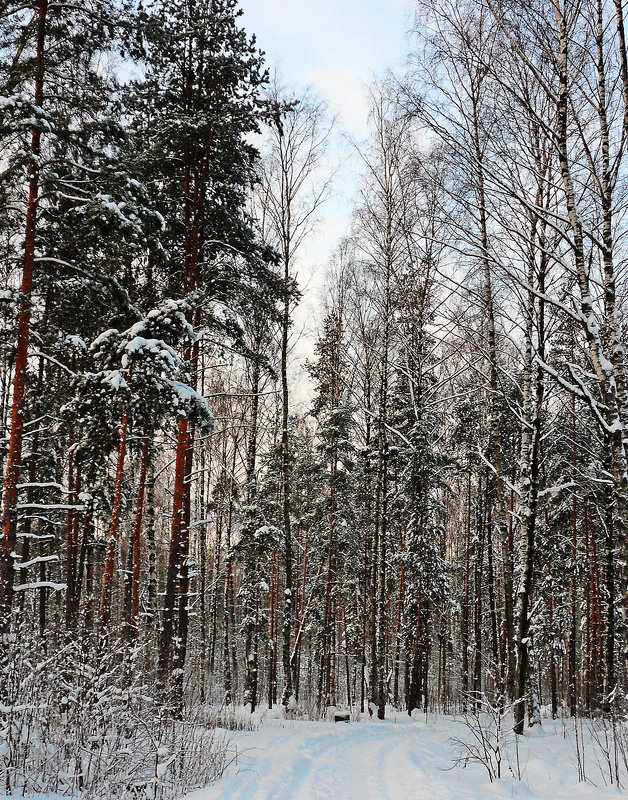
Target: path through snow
{"x": 397, "y": 759}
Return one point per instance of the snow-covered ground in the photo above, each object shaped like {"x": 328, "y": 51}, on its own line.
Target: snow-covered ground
{"x": 402, "y": 759}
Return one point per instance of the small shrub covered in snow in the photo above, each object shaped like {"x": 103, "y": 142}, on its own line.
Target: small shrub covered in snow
{"x": 86, "y": 721}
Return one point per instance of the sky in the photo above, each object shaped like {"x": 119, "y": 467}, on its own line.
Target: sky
{"x": 336, "y": 47}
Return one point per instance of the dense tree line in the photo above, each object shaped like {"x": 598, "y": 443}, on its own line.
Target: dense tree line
{"x": 444, "y": 525}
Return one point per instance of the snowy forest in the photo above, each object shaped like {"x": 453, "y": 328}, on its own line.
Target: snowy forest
{"x": 426, "y": 512}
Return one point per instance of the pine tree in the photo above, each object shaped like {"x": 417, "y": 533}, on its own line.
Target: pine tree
{"x": 199, "y": 100}
{"x": 60, "y": 155}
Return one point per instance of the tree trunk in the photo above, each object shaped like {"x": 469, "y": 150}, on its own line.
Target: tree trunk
{"x": 183, "y": 598}
{"x": 174, "y": 555}
{"x": 137, "y": 541}
{"x": 530, "y": 468}
{"x": 14, "y": 457}
{"x": 285, "y": 476}
{"x": 114, "y": 529}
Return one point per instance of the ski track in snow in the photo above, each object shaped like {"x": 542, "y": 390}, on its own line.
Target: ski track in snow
{"x": 387, "y": 760}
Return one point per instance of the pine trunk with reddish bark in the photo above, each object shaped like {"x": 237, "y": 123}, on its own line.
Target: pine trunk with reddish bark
{"x": 14, "y": 458}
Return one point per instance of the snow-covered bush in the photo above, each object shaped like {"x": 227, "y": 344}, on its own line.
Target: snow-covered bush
{"x": 84, "y": 721}
{"x": 231, "y": 718}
